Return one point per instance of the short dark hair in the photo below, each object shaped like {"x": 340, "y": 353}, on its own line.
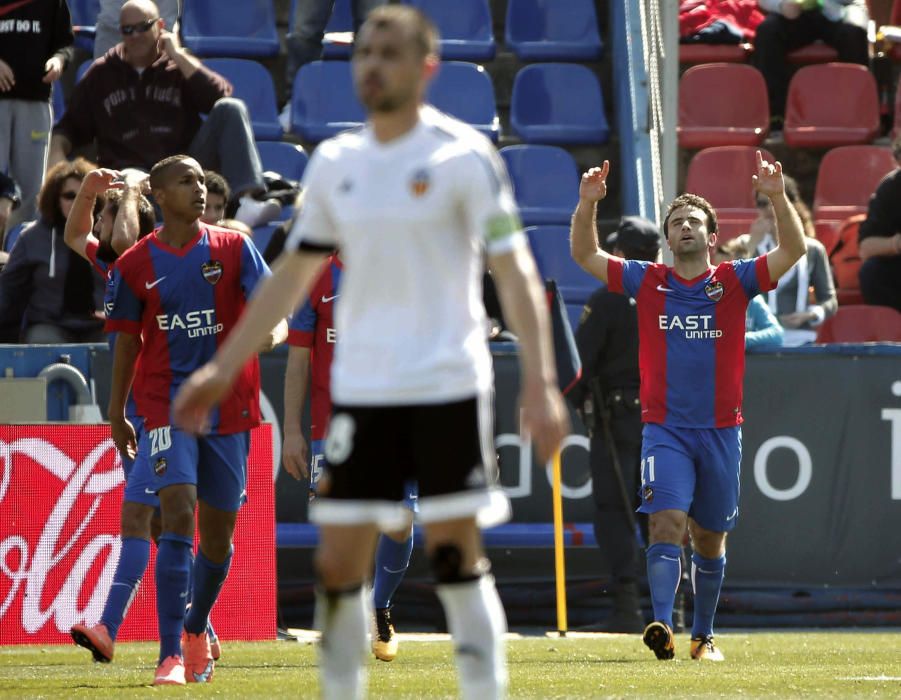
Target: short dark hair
{"x": 216, "y": 184}
{"x": 146, "y": 215}
{"x": 422, "y": 30}
{"x": 691, "y": 200}
{"x": 159, "y": 172}
{"x": 48, "y": 197}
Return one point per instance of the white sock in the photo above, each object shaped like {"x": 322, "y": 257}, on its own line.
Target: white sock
{"x": 477, "y": 622}
{"x": 342, "y": 618}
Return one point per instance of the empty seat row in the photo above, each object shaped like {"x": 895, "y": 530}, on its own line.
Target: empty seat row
{"x": 722, "y": 175}
{"x": 846, "y": 113}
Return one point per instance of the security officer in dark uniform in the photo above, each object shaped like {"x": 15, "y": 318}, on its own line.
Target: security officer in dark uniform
{"x": 607, "y": 396}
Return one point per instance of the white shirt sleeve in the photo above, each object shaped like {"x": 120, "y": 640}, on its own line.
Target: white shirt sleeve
{"x": 313, "y": 223}
{"x": 489, "y": 204}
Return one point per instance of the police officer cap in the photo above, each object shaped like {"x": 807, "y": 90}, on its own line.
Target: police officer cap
{"x": 635, "y": 236}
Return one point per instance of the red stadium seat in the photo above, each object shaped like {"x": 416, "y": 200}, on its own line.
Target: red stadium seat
{"x": 845, "y": 259}
{"x": 861, "y": 324}
{"x": 740, "y": 114}
{"x": 722, "y": 175}
{"x": 714, "y": 53}
{"x": 847, "y": 178}
{"x": 817, "y": 52}
{"x": 831, "y": 104}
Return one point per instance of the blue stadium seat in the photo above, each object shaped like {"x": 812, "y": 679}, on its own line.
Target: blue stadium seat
{"x": 253, "y": 84}
{"x": 553, "y": 30}
{"x": 464, "y": 25}
{"x": 84, "y": 22}
{"x": 550, "y": 246}
{"x": 465, "y": 91}
{"x": 287, "y": 159}
{"x": 82, "y": 69}
{"x": 243, "y": 29}
{"x": 545, "y": 181}
{"x": 262, "y": 235}
{"x": 340, "y": 22}
{"x": 58, "y": 101}
{"x": 323, "y": 102}
{"x": 558, "y": 103}
{"x": 13, "y": 235}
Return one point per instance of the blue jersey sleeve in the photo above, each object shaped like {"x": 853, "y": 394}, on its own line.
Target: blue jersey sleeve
{"x": 123, "y": 307}
{"x": 633, "y": 274}
{"x": 304, "y": 319}
{"x": 253, "y": 268}
{"x": 748, "y": 273}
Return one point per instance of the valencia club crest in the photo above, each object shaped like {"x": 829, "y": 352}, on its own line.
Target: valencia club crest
{"x": 212, "y": 271}
{"x": 714, "y": 291}
{"x": 419, "y": 183}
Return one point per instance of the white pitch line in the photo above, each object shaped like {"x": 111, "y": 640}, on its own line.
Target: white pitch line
{"x": 878, "y": 679}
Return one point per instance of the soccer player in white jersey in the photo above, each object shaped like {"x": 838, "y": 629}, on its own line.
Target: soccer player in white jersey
{"x": 415, "y": 200}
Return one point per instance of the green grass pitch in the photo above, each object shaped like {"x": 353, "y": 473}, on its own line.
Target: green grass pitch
{"x": 759, "y": 664}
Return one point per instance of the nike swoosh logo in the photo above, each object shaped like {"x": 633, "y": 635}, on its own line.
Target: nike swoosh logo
{"x": 326, "y": 300}
{"x": 14, "y": 6}
{"x": 151, "y": 285}
{"x": 205, "y": 676}
{"x": 661, "y": 288}
{"x": 150, "y": 492}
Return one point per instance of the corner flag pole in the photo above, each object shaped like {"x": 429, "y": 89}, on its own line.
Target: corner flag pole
{"x": 559, "y": 564}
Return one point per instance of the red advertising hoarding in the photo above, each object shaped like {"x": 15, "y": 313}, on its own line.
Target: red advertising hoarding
{"x": 60, "y": 496}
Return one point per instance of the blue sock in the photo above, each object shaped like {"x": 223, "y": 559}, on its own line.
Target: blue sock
{"x": 391, "y": 561}
{"x": 706, "y": 580}
{"x": 664, "y": 571}
{"x": 173, "y": 576}
{"x": 133, "y": 558}
{"x": 208, "y": 580}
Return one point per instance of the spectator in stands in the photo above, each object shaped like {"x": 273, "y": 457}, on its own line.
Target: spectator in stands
{"x": 762, "y": 329}
{"x": 790, "y": 301}
{"x": 792, "y": 24}
{"x": 10, "y": 199}
{"x": 880, "y": 241}
{"x": 107, "y": 34}
{"x": 143, "y": 100}
{"x": 49, "y": 294}
{"x": 304, "y": 42}
{"x": 217, "y": 196}
{"x": 35, "y": 46}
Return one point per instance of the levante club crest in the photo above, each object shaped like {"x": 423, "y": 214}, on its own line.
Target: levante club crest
{"x": 714, "y": 291}
{"x": 212, "y": 271}
{"x": 419, "y": 184}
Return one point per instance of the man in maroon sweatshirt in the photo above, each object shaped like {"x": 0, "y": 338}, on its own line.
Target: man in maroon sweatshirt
{"x": 142, "y": 102}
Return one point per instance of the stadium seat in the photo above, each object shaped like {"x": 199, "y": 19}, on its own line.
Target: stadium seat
{"x": 243, "y": 29}
{"x": 465, "y": 91}
{"x": 82, "y": 69}
{"x": 831, "y": 104}
{"x": 558, "y": 103}
{"x": 714, "y": 53}
{"x": 722, "y": 175}
{"x": 252, "y": 83}
{"x": 13, "y": 235}
{"x": 550, "y": 246}
{"x": 551, "y": 30}
{"x": 262, "y": 235}
{"x": 817, "y": 52}
{"x": 740, "y": 114}
{"x": 287, "y": 159}
{"x": 84, "y": 22}
{"x": 464, "y": 26}
{"x": 58, "y": 101}
{"x": 545, "y": 181}
{"x": 847, "y": 177}
{"x": 861, "y": 324}
{"x": 324, "y": 102}
{"x": 846, "y": 262}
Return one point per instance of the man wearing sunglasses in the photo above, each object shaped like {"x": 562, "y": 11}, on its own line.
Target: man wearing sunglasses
{"x": 142, "y": 102}
{"x": 108, "y": 32}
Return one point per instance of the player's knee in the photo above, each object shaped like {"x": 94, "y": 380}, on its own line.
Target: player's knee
{"x": 135, "y": 520}
{"x": 178, "y": 519}
{"x": 447, "y": 563}
{"x": 667, "y": 527}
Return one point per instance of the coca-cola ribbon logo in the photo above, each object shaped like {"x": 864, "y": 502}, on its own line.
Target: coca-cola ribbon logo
{"x": 58, "y": 528}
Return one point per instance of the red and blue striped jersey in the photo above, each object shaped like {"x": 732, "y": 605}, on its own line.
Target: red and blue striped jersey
{"x": 691, "y": 334}
{"x": 184, "y": 302}
{"x": 312, "y": 326}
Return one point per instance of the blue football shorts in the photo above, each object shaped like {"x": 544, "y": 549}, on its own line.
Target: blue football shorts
{"x": 215, "y": 464}
{"x": 318, "y": 463}
{"x": 694, "y": 470}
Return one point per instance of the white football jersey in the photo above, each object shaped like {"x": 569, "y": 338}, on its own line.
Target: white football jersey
{"x": 413, "y": 219}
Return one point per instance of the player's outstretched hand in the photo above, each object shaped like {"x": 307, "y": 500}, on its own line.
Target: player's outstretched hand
{"x": 544, "y": 418}
{"x": 768, "y": 180}
{"x": 100, "y": 180}
{"x": 124, "y": 437}
{"x": 295, "y": 455}
{"x": 593, "y": 187}
{"x": 196, "y": 398}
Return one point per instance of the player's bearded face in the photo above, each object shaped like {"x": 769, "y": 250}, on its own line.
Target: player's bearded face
{"x": 387, "y": 69}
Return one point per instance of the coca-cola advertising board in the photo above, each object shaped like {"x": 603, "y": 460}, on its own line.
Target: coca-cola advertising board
{"x": 60, "y": 497}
